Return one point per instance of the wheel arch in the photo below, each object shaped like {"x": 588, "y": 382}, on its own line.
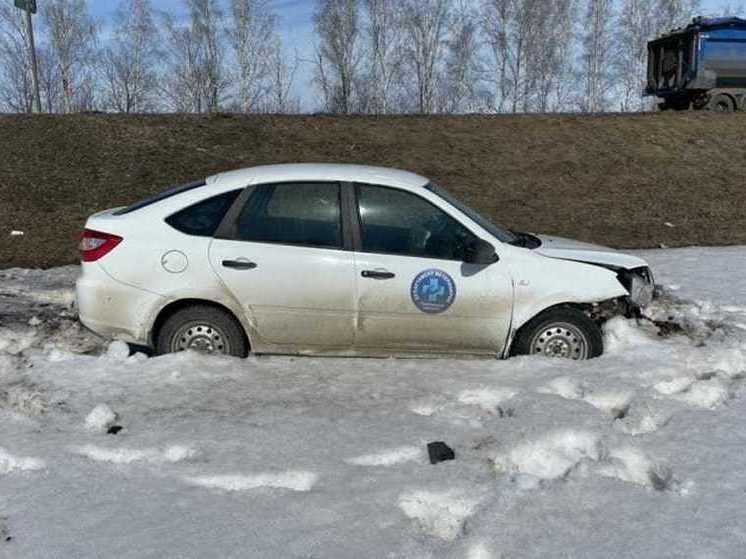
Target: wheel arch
{"x": 586, "y": 308}
{"x": 176, "y": 305}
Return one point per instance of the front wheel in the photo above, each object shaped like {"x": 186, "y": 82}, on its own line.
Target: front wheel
{"x": 562, "y": 332}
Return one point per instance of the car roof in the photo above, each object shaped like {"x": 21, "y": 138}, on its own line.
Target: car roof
{"x": 300, "y": 172}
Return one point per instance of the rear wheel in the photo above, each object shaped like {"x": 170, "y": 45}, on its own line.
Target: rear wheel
{"x": 202, "y": 328}
{"x": 722, "y": 104}
{"x": 562, "y": 332}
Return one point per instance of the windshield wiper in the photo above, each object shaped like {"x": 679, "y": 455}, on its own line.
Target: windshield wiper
{"x": 525, "y": 240}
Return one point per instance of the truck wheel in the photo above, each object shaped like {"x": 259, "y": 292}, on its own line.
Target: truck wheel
{"x": 560, "y": 332}
{"x": 204, "y": 329}
{"x": 722, "y": 103}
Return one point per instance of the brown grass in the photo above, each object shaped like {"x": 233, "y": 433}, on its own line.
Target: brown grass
{"x": 613, "y": 179}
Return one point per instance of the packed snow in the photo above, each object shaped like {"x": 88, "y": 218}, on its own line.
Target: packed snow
{"x": 636, "y": 454}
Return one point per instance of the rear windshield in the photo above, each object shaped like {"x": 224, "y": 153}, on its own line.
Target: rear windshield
{"x": 173, "y": 191}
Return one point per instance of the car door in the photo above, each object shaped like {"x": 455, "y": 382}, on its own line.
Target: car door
{"x": 282, "y": 256}
{"x": 414, "y": 292}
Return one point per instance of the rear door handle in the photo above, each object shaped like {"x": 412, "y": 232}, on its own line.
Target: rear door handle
{"x": 239, "y": 264}
{"x": 376, "y": 274}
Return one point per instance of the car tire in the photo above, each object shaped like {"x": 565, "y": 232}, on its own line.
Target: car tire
{"x": 560, "y": 332}
{"x": 202, "y": 328}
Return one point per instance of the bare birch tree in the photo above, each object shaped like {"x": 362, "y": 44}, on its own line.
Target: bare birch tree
{"x": 671, "y": 14}
{"x": 384, "y": 38}
{"x": 252, "y": 32}
{"x": 130, "y": 61}
{"x": 206, "y": 18}
{"x": 516, "y": 31}
{"x": 636, "y": 25}
{"x": 16, "y": 87}
{"x": 195, "y": 68}
{"x": 549, "y": 53}
{"x": 496, "y": 17}
{"x": 338, "y": 52}
{"x": 425, "y": 23}
{"x": 72, "y": 38}
{"x": 281, "y": 77}
{"x": 463, "y": 72}
{"x": 597, "y": 55}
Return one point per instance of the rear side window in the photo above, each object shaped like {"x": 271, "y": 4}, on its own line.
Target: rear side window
{"x": 173, "y": 191}
{"x": 202, "y": 219}
{"x": 294, "y": 214}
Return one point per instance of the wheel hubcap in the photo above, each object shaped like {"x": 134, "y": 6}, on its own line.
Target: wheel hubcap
{"x": 560, "y": 340}
{"x": 203, "y": 338}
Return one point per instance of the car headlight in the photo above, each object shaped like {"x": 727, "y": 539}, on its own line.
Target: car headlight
{"x": 641, "y": 291}
{"x": 640, "y": 284}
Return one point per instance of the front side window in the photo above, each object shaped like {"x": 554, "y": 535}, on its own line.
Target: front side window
{"x": 202, "y": 219}
{"x": 494, "y": 229}
{"x": 399, "y": 222}
{"x": 294, "y": 213}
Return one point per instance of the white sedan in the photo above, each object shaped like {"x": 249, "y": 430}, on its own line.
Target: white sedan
{"x": 343, "y": 260}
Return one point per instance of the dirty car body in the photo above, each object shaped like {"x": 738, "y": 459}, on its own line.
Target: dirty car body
{"x": 337, "y": 260}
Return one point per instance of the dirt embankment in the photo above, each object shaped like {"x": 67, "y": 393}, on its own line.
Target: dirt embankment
{"x": 621, "y": 180}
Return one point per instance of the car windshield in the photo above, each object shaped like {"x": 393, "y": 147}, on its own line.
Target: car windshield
{"x": 501, "y": 233}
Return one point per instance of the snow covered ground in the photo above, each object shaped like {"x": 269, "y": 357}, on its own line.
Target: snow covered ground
{"x": 636, "y": 454}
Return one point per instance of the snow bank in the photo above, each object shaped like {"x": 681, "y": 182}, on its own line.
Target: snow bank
{"x": 10, "y": 463}
{"x": 390, "y": 457}
{"x": 615, "y": 403}
{"x": 440, "y": 514}
{"x": 171, "y": 454}
{"x": 565, "y": 387}
{"x": 577, "y": 464}
{"x": 631, "y": 465}
{"x": 480, "y": 550}
{"x": 621, "y": 335}
{"x": 552, "y": 456}
{"x": 708, "y": 394}
{"x": 486, "y": 398}
{"x": 16, "y": 341}
{"x": 100, "y": 419}
{"x": 292, "y": 480}
{"x": 24, "y": 398}
{"x": 117, "y": 351}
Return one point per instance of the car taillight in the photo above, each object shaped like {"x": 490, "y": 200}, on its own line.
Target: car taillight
{"x": 95, "y": 244}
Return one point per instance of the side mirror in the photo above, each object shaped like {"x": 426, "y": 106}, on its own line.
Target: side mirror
{"x": 480, "y": 251}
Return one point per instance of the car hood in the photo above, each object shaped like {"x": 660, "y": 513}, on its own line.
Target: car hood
{"x": 568, "y": 249}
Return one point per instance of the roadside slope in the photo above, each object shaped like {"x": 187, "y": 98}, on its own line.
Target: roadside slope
{"x": 623, "y": 180}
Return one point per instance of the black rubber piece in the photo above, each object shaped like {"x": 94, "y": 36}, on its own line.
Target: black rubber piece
{"x": 593, "y": 334}
{"x": 204, "y": 314}
{"x": 137, "y": 348}
{"x": 439, "y": 451}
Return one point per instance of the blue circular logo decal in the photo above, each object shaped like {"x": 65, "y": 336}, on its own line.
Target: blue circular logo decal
{"x": 433, "y": 291}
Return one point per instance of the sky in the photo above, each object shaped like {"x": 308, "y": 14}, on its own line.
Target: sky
{"x": 296, "y": 28}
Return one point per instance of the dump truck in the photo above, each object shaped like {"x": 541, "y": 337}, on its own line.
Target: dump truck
{"x": 701, "y": 66}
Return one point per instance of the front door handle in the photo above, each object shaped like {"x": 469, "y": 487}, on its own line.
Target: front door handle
{"x": 239, "y": 264}
{"x": 376, "y": 274}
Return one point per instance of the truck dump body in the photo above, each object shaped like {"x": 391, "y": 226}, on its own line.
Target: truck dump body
{"x": 709, "y": 54}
